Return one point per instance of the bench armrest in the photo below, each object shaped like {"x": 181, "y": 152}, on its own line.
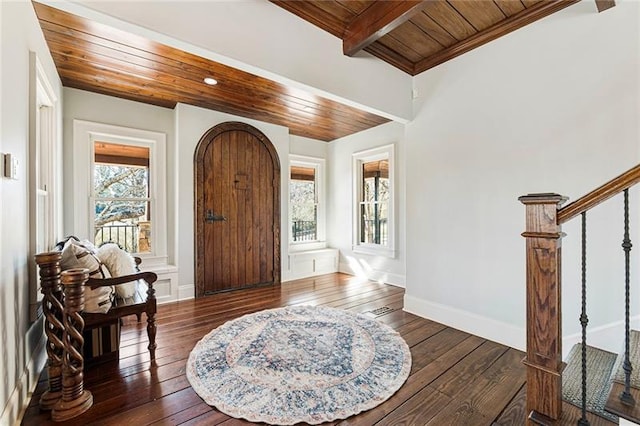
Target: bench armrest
{"x": 148, "y": 277}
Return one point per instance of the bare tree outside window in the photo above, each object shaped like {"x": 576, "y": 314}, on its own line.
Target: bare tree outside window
{"x": 122, "y": 203}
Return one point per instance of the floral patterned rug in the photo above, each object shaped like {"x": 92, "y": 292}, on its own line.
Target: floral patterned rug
{"x": 298, "y": 364}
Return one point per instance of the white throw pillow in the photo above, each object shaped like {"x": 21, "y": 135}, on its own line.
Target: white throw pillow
{"x": 78, "y": 254}
{"x": 119, "y": 263}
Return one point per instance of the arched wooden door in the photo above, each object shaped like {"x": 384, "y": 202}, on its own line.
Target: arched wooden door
{"x": 237, "y": 211}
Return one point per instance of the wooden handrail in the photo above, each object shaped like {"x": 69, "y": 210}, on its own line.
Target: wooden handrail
{"x": 600, "y": 194}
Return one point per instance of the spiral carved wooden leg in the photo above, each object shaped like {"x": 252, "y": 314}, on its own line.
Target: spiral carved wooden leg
{"x": 49, "y": 264}
{"x": 75, "y": 400}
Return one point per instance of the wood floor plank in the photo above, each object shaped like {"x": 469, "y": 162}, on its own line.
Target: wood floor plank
{"x": 207, "y": 419}
{"x": 154, "y": 410}
{"x": 418, "y": 409}
{"x": 486, "y": 396}
{"x": 431, "y": 348}
{"x": 184, "y": 415}
{"x": 516, "y": 412}
{"x": 459, "y": 376}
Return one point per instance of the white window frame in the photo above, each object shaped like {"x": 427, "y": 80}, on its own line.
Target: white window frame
{"x": 318, "y": 164}
{"x": 44, "y": 162}
{"x": 85, "y": 134}
{"x": 385, "y": 152}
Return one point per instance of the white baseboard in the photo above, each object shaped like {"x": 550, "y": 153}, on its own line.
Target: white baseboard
{"x": 469, "y": 322}
{"x": 186, "y": 292}
{"x": 374, "y": 275}
{"x": 19, "y": 399}
{"x": 608, "y": 337}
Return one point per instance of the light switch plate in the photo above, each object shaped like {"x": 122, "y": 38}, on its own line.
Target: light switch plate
{"x": 10, "y": 166}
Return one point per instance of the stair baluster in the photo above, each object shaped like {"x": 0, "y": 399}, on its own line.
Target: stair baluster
{"x": 626, "y": 397}
{"x": 584, "y": 320}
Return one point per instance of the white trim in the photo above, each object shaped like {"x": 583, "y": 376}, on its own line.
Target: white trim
{"x": 374, "y": 275}
{"x": 489, "y": 328}
{"x": 608, "y": 337}
{"x": 18, "y": 401}
{"x": 385, "y": 152}
{"x": 186, "y": 292}
{"x": 43, "y": 161}
{"x": 310, "y": 263}
{"x": 84, "y": 134}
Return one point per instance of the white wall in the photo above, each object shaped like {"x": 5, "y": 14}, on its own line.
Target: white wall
{"x": 81, "y": 105}
{"x": 191, "y": 123}
{"x": 299, "y": 145}
{"x": 553, "y": 107}
{"x": 341, "y": 203}
{"x": 256, "y": 36}
{"x": 20, "y": 356}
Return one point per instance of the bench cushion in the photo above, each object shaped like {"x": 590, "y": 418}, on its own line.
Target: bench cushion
{"x": 119, "y": 263}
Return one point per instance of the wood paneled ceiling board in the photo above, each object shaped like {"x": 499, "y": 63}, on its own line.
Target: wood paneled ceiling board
{"x": 433, "y": 29}
{"x": 449, "y": 19}
{"x": 435, "y": 32}
{"x": 98, "y": 58}
{"x": 356, "y": 6}
{"x": 510, "y": 7}
{"x": 481, "y": 15}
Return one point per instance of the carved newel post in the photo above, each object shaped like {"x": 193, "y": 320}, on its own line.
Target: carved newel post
{"x": 49, "y": 264}
{"x": 544, "y": 320}
{"x": 75, "y": 400}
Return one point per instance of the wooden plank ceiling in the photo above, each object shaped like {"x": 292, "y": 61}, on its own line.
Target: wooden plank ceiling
{"x": 415, "y": 36}
{"x": 98, "y": 58}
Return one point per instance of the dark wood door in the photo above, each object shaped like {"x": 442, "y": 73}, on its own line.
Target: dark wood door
{"x": 237, "y": 209}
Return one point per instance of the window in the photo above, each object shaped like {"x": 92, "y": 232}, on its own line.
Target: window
{"x": 303, "y": 204}
{"x": 120, "y": 196}
{"x": 374, "y": 207}
{"x": 373, "y": 189}
{"x": 122, "y": 206}
{"x": 44, "y": 161}
{"x": 306, "y": 212}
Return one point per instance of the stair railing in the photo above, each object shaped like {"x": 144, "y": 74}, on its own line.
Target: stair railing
{"x": 544, "y": 217}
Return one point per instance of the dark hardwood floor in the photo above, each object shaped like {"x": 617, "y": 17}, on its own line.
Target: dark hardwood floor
{"x": 456, "y": 378}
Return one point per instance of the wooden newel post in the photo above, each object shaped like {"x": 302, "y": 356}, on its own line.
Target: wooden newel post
{"x": 544, "y": 319}
{"x": 75, "y": 400}
{"x": 49, "y": 265}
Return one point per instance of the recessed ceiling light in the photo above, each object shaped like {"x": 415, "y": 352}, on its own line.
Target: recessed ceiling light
{"x": 211, "y": 81}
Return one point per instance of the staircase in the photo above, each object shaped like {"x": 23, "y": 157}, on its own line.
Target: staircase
{"x": 598, "y": 382}
{"x": 605, "y": 381}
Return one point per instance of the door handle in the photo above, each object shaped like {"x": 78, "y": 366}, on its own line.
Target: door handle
{"x": 210, "y": 216}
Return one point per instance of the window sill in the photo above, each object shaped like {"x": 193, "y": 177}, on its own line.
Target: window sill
{"x": 306, "y": 246}
{"x": 374, "y": 250}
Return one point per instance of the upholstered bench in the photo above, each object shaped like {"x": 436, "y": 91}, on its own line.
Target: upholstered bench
{"x": 104, "y": 307}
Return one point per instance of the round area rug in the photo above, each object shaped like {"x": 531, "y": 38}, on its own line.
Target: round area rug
{"x": 298, "y": 364}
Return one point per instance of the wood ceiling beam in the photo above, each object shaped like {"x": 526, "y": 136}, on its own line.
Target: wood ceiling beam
{"x": 603, "y": 5}
{"x": 376, "y": 21}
